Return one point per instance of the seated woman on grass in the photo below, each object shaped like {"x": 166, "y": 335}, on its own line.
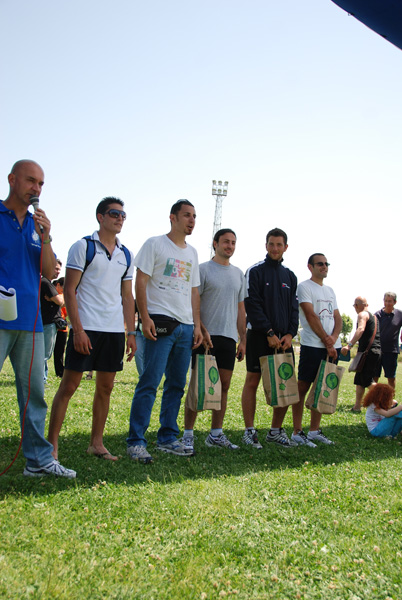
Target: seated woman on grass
{"x": 383, "y": 416}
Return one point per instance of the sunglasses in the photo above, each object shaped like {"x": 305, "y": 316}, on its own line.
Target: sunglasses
{"x": 321, "y": 264}
{"x": 115, "y": 214}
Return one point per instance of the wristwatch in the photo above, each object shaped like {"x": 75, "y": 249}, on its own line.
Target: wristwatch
{"x": 271, "y": 333}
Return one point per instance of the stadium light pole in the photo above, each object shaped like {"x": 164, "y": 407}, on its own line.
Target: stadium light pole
{"x": 219, "y": 190}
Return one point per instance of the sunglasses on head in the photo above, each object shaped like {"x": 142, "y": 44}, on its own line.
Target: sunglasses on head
{"x": 115, "y": 213}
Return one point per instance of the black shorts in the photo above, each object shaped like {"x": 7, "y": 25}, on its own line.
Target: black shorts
{"x": 389, "y": 362}
{"x": 366, "y": 377}
{"x": 224, "y": 351}
{"x": 257, "y": 345}
{"x": 106, "y": 355}
{"x": 309, "y": 362}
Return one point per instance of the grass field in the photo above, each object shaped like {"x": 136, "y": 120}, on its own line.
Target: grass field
{"x": 275, "y": 523}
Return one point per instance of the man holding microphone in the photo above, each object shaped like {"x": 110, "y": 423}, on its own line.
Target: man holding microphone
{"x": 23, "y": 237}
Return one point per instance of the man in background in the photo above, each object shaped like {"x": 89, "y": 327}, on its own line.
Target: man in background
{"x": 50, "y": 304}
{"x": 390, "y": 320}
{"x": 368, "y": 335}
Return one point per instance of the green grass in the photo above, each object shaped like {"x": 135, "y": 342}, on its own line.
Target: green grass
{"x": 277, "y": 524}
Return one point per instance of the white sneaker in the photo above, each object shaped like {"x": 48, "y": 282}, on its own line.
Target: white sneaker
{"x": 220, "y": 440}
{"x": 301, "y": 439}
{"x": 139, "y": 453}
{"x": 53, "y": 468}
{"x": 250, "y": 438}
{"x": 175, "y": 447}
{"x": 188, "y": 443}
{"x": 320, "y": 437}
{"x": 281, "y": 439}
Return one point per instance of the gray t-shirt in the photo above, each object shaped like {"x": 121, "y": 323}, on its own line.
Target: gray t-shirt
{"x": 221, "y": 289}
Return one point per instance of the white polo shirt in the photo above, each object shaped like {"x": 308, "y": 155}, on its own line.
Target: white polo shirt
{"x": 99, "y": 291}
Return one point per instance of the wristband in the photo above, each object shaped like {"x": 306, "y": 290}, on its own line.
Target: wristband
{"x": 130, "y": 333}
{"x": 48, "y": 240}
{"x": 78, "y": 332}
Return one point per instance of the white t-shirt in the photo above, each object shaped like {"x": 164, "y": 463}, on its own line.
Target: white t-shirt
{"x": 173, "y": 272}
{"x": 99, "y": 291}
{"x": 323, "y": 299}
{"x": 372, "y": 418}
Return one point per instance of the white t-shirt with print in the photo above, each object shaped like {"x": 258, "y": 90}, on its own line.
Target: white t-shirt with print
{"x": 173, "y": 272}
{"x": 323, "y": 299}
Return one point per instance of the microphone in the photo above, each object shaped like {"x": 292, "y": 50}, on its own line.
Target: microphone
{"x": 35, "y": 203}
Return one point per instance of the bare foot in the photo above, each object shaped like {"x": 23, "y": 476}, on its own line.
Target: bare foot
{"x": 101, "y": 453}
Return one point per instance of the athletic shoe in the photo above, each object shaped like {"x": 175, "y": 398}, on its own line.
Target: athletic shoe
{"x": 220, "y": 440}
{"x": 301, "y": 439}
{"x": 281, "y": 439}
{"x": 188, "y": 443}
{"x": 139, "y": 453}
{"x": 320, "y": 437}
{"x": 53, "y": 468}
{"x": 175, "y": 447}
{"x": 250, "y": 438}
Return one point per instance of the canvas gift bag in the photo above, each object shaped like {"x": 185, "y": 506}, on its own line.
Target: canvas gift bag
{"x": 204, "y": 390}
{"x": 279, "y": 379}
{"x": 323, "y": 395}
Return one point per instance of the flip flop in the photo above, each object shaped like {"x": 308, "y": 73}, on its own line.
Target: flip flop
{"x": 105, "y": 455}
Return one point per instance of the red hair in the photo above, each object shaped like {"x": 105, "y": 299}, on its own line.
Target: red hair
{"x": 381, "y": 395}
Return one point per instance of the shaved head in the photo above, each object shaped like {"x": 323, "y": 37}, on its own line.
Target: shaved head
{"x": 22, "y": 163}
{"x": 361, "y": 300}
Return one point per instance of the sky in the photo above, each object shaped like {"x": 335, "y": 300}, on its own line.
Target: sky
{"x": 295, "y": 103}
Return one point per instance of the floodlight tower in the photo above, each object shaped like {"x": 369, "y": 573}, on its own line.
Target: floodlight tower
{"x": 219, "y": 190}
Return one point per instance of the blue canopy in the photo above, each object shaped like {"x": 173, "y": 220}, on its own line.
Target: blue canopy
{"x": 382, "y": 16}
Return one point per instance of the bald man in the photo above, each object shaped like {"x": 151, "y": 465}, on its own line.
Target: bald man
{"x": 24, "y": 237}
{"x": 367, "y": 324}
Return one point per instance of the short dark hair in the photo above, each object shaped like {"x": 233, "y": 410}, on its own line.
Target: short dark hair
{"x": 276, "y": 232}
{"x": 222, "y": 232}
{"x": 59, "y": 262}
{"x": 105, "y": 203}
{"x": 312, "y": 257}
{"x": 59, "y": 281}
{"x": 176, "y": 208}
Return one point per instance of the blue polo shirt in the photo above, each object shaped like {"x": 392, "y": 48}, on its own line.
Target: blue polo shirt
{"x": 19, "y": 268}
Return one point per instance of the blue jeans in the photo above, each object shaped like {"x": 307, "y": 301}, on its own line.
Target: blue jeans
{"x": 388, "y": 426}
{"x": 170, "y": 355}
{"x": 18, "y": 346}
{"x": 49, "y": 335}
{"x": 139, "y": 355}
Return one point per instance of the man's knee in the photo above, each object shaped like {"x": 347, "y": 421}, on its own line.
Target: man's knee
{"x": 69, "y": 383}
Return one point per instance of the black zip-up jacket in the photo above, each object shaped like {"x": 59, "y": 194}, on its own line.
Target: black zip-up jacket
{"x": 271, "y": 301}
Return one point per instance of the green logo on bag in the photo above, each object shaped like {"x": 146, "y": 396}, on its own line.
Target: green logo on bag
{"x": 285, "y": 372}
{"x": 332, "y": 382}
{"x": 213, "y": 375}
